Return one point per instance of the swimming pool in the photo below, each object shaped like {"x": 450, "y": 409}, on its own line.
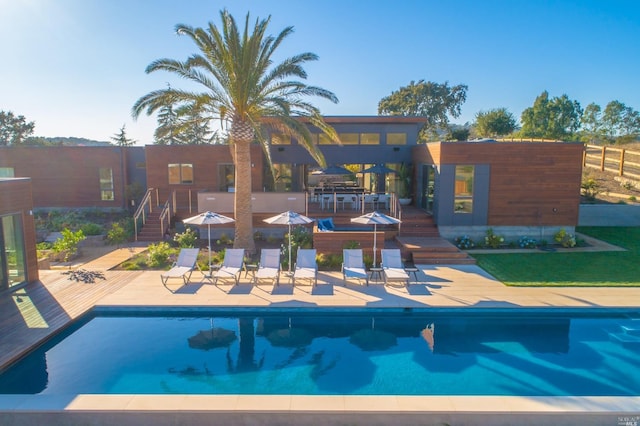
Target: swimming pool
{"x": 336, "y": 354}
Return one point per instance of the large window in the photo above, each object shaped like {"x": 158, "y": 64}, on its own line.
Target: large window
{"x": 348, "y": 138}
{"x": 396, "y": 138}
{"x": 463, "y": 191}
{"x": 282, "y": 177}
{"x": 226, "y": 177}
{"x": 180, "y": 174}
{"x": 6, "y": 172}
{"x": 106, "y": 184}
{"x": 280, "y": 139}
{"x": 369, "y": 138}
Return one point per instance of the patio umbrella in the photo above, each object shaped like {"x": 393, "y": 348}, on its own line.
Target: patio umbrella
{"x": 370, "y": 339}
{"x": 288, "y": 218}
{"x": 333, "y": 170}
{"x": 375, "y": 219}
{"x": 208, "y": 218}
{"x": 215, "y": 337}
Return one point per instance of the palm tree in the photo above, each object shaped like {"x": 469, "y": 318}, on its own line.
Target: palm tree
{"x": 243, "y": 87}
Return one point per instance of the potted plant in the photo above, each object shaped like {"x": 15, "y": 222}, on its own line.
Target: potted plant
{"x": 405, "y": 175}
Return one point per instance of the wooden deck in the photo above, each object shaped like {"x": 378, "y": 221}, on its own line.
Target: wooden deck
{"x": 33, "y": 313}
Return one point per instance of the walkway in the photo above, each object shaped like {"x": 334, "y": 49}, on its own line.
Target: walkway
{"x": 41, "y": 309}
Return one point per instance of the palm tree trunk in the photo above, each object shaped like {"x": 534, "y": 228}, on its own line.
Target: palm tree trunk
{"x": 243, "y": 209}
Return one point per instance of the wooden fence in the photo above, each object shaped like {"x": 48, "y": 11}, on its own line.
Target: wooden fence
{"x": 616, "y": 160}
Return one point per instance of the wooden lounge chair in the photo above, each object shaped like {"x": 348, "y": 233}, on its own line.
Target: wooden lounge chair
{"x": 183, "y": 266}
{"x": 306, "y": 266}
{"x": 353, "y": 266}
{"x": 269, "y": 267}
{"x": 231, "y": 265}
{"x": 392, "y": 266}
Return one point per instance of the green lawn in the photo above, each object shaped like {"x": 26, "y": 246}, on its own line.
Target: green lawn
{"x": 578, "y": 269}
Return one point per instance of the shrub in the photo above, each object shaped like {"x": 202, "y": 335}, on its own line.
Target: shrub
{"x": 351, "y": 245}
{"x": 186, "y": 239}
{"x": 117, "y": 234}
{"x": 258, "y": 236}
{"x": 590, "y": 188}
{"x": 565, "y": 239}
{"x": 330, "y": 261}
{"x": 300, "y": 238}
{"x": 158, "y": 254}
{"x": 91, "y": 228}
{"x": 68, "y": 243}
{"x": 492, "y": 240}
{"x": 225, "y": 240}
{"x": 464, "y": 242}
{"x": 527, "y": 242}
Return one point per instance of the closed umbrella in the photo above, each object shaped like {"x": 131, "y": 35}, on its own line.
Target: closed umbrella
{"x": 288, "y": 218}
{"x": 375, "y": 219}
{"x": 208, "y": 218}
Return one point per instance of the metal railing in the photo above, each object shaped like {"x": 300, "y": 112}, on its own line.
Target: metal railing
{"x": 146, "y": 206}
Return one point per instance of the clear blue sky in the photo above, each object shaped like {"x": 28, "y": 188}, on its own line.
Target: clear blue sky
{"x": 76, "y": 67}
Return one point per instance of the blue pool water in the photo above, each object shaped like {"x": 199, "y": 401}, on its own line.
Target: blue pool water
{"x": 440, "y": 354}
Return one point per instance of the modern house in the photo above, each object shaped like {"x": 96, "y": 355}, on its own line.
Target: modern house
{"x": 461, "y": 188}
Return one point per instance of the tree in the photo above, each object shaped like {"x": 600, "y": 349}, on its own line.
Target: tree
{"x": 556, "y": 118}
{"x": 14, "y": 129}
{"x": 620, "y": 121}
{"x": 121, "y": 138}
{"x": 617, "y": 123}
{"x": 167, "y": 132}
{"x": 244, "y": 85}
{"x": 495, "y": 122}
{"x": 432, "y": 100}
{"x": 458, "y": 133}
{"x": 591, "y": 122}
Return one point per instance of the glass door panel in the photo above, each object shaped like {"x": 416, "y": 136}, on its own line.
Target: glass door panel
{"x": 13, "y": 261}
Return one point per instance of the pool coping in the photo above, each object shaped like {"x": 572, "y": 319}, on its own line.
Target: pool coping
{"x": 297, "y": 409}
{"x": 330, "y": 409}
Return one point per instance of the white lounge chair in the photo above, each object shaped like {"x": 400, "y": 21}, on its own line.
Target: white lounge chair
{"x": 306, "y": 266}
{"x": 353, "y": 266}
{"x": 183, "y": 266}
{"x": 231, "y": 265}
{"x": 392, "y": 266}
{"x": 269, "y": 267}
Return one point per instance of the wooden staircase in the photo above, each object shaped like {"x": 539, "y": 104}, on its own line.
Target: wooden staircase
{"x": 420, "y": 241}
{"x": 151, "y": 231}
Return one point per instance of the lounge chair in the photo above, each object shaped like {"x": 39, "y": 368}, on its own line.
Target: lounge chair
{"x": 183, "y": 266}
{"x": 392, "y": 266}
{"x": 231, "y": 265}
{"x": 353, "y": 266}
{"x": 306, "y": 266}
{"x": 269, "y": 267}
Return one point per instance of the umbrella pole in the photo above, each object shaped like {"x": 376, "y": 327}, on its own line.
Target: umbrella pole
{"x": 289, "y": 249}
{"x": 209, "y": 235}
{"x": 375, "y": 235}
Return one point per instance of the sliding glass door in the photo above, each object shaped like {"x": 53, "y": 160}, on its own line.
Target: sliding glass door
{"x": 12, "y": 256}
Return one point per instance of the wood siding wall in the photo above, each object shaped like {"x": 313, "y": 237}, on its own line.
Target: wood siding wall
{"x": 530, "y": 184}
{"x": 205, "y": 160}
{"x": 16, "y": 197}
{"x": 67, "y": 176}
